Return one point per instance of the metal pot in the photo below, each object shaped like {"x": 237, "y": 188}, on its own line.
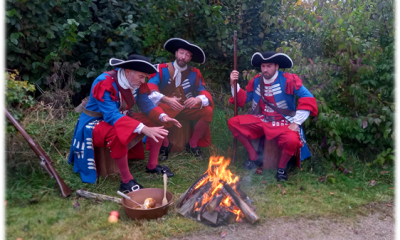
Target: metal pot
{"x": 139, "y": 196}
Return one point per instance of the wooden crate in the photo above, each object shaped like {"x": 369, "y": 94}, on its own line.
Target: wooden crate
{"x": 272, "y": 155}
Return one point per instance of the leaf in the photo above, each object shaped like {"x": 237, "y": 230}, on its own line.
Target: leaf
{"x": 332, "y": 148}
{"x": 76, "y": 205}
{"x": 377, "y": 121}
{"x": 365, "y": 124}
{"x": 332, "y": 193}
{"x": 279, "y": 185}
{"x": 389, "y": 205}
{"x": 346, "y": 171}
{"x": 383, "y": 172}
{"x": 223, "y": 234}
{"x": 283, "y": 191}
{"x": 372, "y": 183}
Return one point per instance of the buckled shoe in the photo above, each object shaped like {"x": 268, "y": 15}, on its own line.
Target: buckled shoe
{"x": 160, "y": 170}
{"x": 250, "y": 164}
{"x": 164, "y": 152}
{"x": 195, "y": 151}
{"x": 281, "y": 175}
{"x": 131, "y": 186}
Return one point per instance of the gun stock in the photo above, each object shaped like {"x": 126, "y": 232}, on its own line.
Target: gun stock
{"x": 45, "y": 161}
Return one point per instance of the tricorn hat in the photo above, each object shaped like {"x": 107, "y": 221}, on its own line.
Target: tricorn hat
{"x": 282, "y": 59}
{"x": 174, "y": 44}
{"x": 135, "y": 62}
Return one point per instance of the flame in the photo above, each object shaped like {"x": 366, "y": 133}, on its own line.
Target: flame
{"x": 218, "y": 174}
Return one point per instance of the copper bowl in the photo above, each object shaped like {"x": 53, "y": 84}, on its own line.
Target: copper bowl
{"x": 139, "y": 196}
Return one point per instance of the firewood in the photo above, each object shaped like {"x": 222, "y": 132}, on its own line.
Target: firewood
{"x": 231, "y": 218}
{"x": 185, "y": 195}
{"x": 214, "y": 203}
{"x": 187, "y": 207}
{"x": 211, "y": 217}
{"x": 250, "y": 215}
{"x": 96, "y": 196}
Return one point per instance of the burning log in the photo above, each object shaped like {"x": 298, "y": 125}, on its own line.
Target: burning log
{"x": 250, "y": 215}
{"x": 186, "y": 194}
{"x": 187, "y": 207}
{"x": 214, "y": 203}
{"x": 216, "y": 199}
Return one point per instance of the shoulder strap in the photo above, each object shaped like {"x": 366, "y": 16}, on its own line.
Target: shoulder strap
{"x": 286, "y": 112}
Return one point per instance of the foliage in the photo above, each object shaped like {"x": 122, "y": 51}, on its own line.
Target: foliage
{"x": 92, "y": 32}
{"x": 344, "y": 54}
{"x": 17, "y": 97}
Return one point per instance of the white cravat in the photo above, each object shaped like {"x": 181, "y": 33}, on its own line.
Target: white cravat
{"x": 123, "y": 81}
{"x": 271, "y": 80}
{"x": 178, "y": 74}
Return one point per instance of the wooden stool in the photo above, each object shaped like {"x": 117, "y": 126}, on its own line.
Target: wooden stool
{"x": 270, "y": 151}
{"x": 272, "y": 155}
{"x": 105, "y": 165}
{"x": 180, "y": 136}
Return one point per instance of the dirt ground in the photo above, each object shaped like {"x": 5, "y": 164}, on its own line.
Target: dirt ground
{"x": 373, "y": 221}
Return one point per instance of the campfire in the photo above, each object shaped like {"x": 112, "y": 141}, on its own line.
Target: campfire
{"x": 215, "y": 198}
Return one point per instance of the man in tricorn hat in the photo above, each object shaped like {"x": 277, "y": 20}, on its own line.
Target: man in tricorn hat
{"x": 108, "y": 121}
{"x": 274, "y": 113}
{"x": 179, "y": 90}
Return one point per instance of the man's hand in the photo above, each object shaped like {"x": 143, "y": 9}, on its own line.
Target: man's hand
{"x": 173, "y": 102}
{"x": 165, "y": 118}
{"x": 155, "y": 132}
{"x": 234, "y": 76}
{"x": 294, "y": 127}
{"x": 191, "y": 102}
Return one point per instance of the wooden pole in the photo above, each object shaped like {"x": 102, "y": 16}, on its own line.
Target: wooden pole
{"x": 234, "y": 90}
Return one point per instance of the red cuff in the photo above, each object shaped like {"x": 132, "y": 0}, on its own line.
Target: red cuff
{"x": 308, "y": 103}
{"x": 208, "y": 95}
{"x": 241, "y": 98}
{"x": 124, "y": 128}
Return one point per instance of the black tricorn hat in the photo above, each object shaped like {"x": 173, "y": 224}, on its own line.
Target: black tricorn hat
{"x": 135, "y": 62}
{"x": 282, "y": 59}
{"x": 174, "y": 44}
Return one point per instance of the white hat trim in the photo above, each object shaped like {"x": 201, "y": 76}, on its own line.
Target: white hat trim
{"x": 122, "y": 62}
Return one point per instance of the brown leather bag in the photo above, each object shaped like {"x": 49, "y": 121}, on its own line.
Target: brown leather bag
{"x": 170, "y": 89}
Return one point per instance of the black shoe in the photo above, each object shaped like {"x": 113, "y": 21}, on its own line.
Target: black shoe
{"x": 196, "y": 151}
{"x": 164, "y": 152}
{"x": 281, "y": 175}
{"x": 158, "y": 169}
{"x": 131, "y": 186}
{"x": 250, "y": 164}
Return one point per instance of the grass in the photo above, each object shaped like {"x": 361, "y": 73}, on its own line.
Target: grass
{"x": 35, "y": 209}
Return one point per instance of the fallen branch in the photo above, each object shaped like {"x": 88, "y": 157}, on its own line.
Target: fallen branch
{"x": 96, "y": 196}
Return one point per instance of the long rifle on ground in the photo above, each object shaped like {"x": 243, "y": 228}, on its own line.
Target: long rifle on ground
{"x": 45, "y": 162}
{"x": 234, "y": 89}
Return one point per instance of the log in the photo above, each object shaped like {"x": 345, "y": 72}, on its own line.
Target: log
{"x": 250, "y": 215}
{"x": 187, "y": 207}
{"x": 211, "y": 217}
{"x": 214, "y": 203}
{"x": 96, "y": 196}
{"x": 186, "y": 194}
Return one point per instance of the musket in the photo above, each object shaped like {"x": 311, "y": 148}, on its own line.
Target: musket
{"x": 234, "y": 89}
{"x": 45, "y": 161}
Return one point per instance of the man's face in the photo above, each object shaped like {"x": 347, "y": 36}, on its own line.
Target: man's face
{"x": 182, "y": 57}
{"x": 269, "y": 69}
{"x": 135, "y": 78}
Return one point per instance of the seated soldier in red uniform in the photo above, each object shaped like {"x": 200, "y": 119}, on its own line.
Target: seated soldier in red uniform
{"x": 274, "y": 113}
{"x": 108, "y": 121}
{"x": 179, "y": 90}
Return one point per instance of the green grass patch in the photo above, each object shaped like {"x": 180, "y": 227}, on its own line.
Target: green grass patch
{"x": 35, "y": 209}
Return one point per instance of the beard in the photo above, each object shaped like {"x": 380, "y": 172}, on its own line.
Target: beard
{"x": 268, "y": 75}
{"x": 181, "y": 63}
